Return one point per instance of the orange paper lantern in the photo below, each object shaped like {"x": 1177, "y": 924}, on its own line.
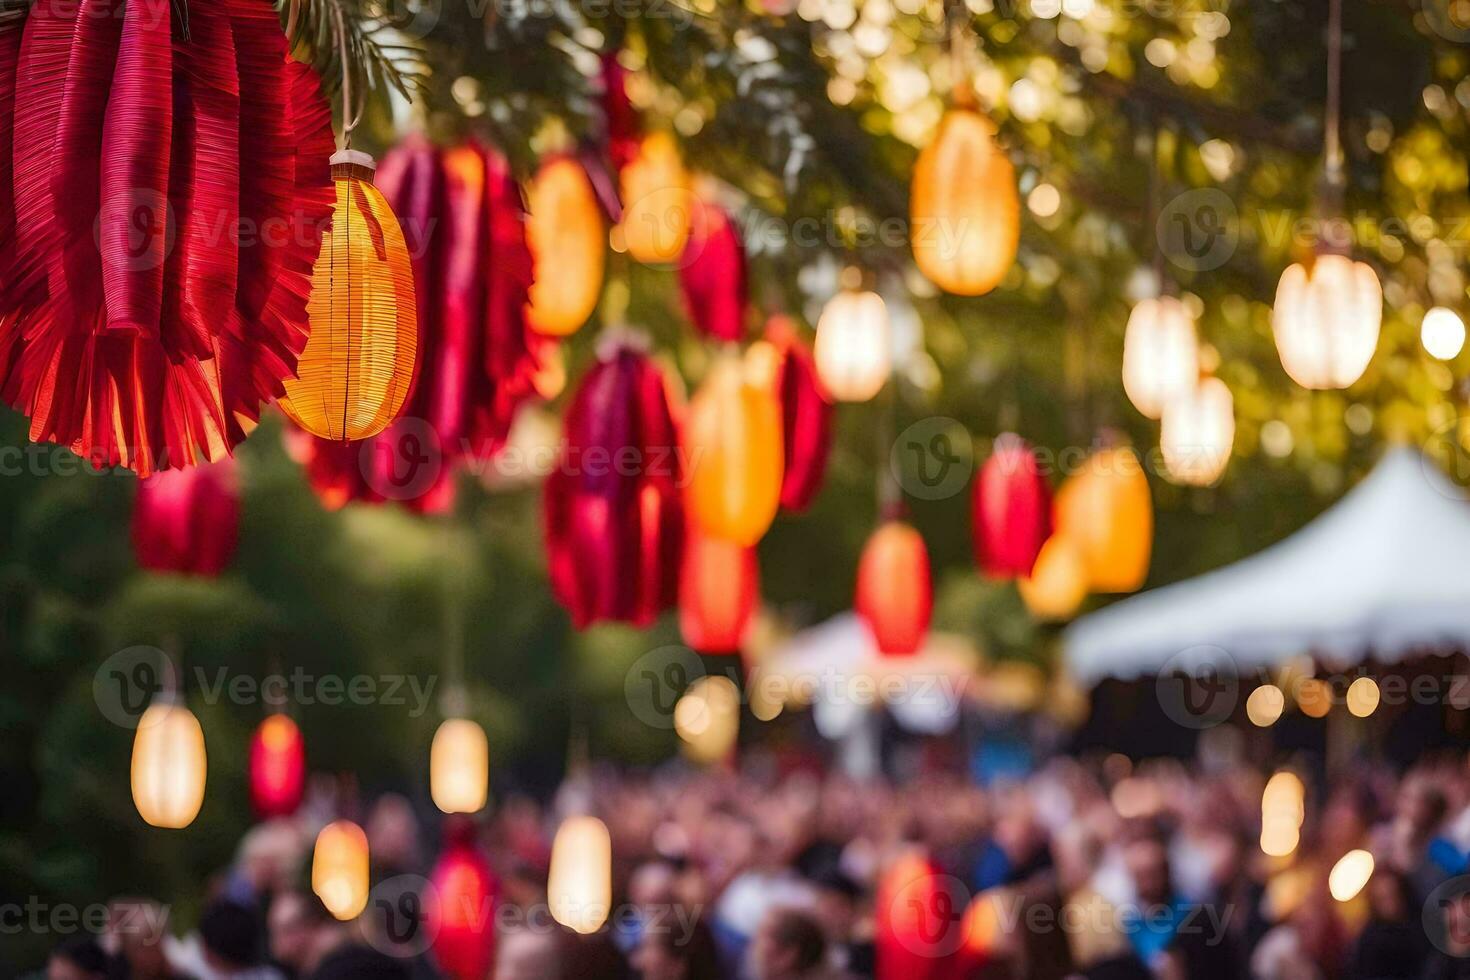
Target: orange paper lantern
{"x": 277, "y": 767}
{"x": 1106, "y": 510}
{"x": 894, "y": 594}
{"x": 359, "y": 362}
{"x": 568, "y": 247}
{"x": 719, "y": 588}
{"x": 339, "y": 869}
{"x": 733, "y": 447}
{"x": 657, "y": 202}
{"x": 1057, "y": 585}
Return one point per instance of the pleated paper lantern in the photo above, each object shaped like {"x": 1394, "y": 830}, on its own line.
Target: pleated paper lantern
{"x": 277, "y": 767}
{"x": 916, "y": 922}
{"x": 461, "y": 918}
{"x": 1326, "y": 321}
{"x": 164, "y": 194}
{"x": 964, "y": 207}
{"x": 340, "y": 869}
{"x": 784, "y": 364}
{"x": 894, "y": 595}
{"x": 1197, "y": 433}
{"x": 719, "y": 589}
{"x": 732, "y": 442}
{"x": 459, "y": 766}
{"x": 1106, "y": 510}
{"x": 615, "y": 533}
{"x": 358, "y": 365}
{"x": 579, "y": 884}
{"x": 1057, "y": 585}
{"x": 658, "y": 200}
{"x": 712, "y": 274}
{"x": 1010, "y": 510}
{"x": 1160, "y": 354}
{"x": 854, "y": 347}
{"x": 568, "y": 245}
{"x": 169, "y": 765}
{"x": 188, "y": 520}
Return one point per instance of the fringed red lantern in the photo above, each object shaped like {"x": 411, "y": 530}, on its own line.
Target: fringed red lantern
{"x": 277, "y": 767}
{"x": 169, "y": 194}
{"x": 618, "y": 113}
{"x": 614, "y": 521}
{"x": 806, "y": 410}
{"x": 894, "y": 594}
{"x": 461, "y": 916}
{"x": 918, "y": 920}
{"x": 713, "y": 275}
{"x": 188, "y": 521}
{"x": 719, "y": 589}
{"x": 1010, "y": 510}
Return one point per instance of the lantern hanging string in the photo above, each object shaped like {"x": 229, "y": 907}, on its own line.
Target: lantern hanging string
{"x": 350, "y": 116}
{"x": 1332, "y": 156}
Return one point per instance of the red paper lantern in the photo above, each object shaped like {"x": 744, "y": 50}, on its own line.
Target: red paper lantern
{"x": 167, "y": 195}
{"x": 277, "y": 767}
{"x": 918, "y": 921}
{"x": 894, "y": 595}
{"x": 719, "y": 589}
{"x": 712, "y": 274}
{"x": 461, "y": 918}
{"x": 613, "y": 518}
{"x": 806, "y": 414}
{"x": 618, "y": 113}
{"x": 188, "y": 521}
{"x": 1010, "y": 510}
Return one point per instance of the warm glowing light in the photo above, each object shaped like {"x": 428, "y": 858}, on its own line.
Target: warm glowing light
{"x": 1057, "y": 585}
{"x": 1106, "y": 509}
{"x": 1442, "y": 333}
{"x": 277, "y": 767}
{"x": 707, "y": 718}
{"x": 1197, "y": 433}
{"x": 1326, "y": 321}
{"x": 1279, "y": 837}
{"x": 339, "y": 869}
{"x": 1160, "y": 354}
{"x": 895, "y": 597}
{"x": 1362, "y": 697}
{"x": 169, "y": 766}
{"x": 1314, "y": 697}
{"x": 732, "y": 439}
{"x": 459, "y": 766}
{"x": 657, "y": 202}
{"x": 853, "y": 347}
{"x": 1283, "y": 807}
{"x": 1265, "y": 705}
{"x": 1350, "y": 874}
{"x": 564, "y": 231}
{"x": 579, "y": 885}
{"x": 719, "y": 589}
{"x": 1044, "y": 200}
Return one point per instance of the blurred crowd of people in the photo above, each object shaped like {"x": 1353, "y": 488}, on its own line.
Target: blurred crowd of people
{"x": 1095, "y": 868}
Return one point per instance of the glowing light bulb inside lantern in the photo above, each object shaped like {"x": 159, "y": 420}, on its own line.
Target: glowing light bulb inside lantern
{"x": 459, "y": 766}
{"x": 339, "y": 869}
{"x": 707, "y": 718}
{"x": 734, "y": 443}
{"x": 1442, "y": 333}
{"x": 1160, "y": 354}
{"x": 579, "y": 884}
{"x": 853, "y": 347}
{"x": 1350, "y": 874}
{"x": 358, "y": 365}
{"x": 1326, "y": 321}
{"x": 277, "y": 767}
{"x": 169, "y": 766}
{"x": 1197, "y": 433}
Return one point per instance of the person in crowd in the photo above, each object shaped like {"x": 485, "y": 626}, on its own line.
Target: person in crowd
{"x": 677, "y": 954}
{"x": 789, "y": 945}
{"x": 301, "y": 931}
{"x": 355, "y": 961}
{"x": 1392, "y": 944}
{"x": 1450, "y": 933}
{"x": 228, "y": 944}
{"x": 524, "y": 953}
{"x": 83, "y": 958}
{"x": 137, "y": 931}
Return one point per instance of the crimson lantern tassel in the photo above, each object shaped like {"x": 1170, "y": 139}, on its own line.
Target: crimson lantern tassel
{"x": 894, "y": 594}
{"x": 462, "y": 917}
{"x": 712, "y": 274}
{"x": 613, "y": 518}
{"x": 188, "y": 521}
{"x": 1010, "y": 510}
{"x": 622, "y": 119}
{"x": 277, "y": 767}
{"x": 719, "y": 589}
{"x": 806, "y": 416}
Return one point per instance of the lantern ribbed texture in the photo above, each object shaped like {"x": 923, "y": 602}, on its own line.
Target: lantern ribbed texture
{"x": 359, "y": 362}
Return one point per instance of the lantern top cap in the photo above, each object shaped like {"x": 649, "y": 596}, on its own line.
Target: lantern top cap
{"x": 355, "y": 158}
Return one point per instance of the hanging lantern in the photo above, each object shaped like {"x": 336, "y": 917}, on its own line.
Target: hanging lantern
{"x": 1010, "y": 510}
{"x": 917, "y": 923}
{"x": 142, "y": 330}
{"x": 733, "y": 444}
{"x": 188, "y": 520}
{"x": 719, "y": 589}
{"x": 1106, "y": 510}
{"x": 707, "y": 719}
{"x": 657, "y": 202}
{"x": 359, "y": 362}
{"x": 853, "y": 353}
{"x": 1197, "y": 433}
{"x": 614, "y": 533}
{"x": 712, "y": 274}
{"x": 461, "y": 918}
{"x": 964, "y": 208}
{"x": 782, "y": 363}
{"x": 339, "y": 869}
{"x": 568, "y": 246}
{"x": 579, "y": 884}
{"x": 1057, "y": 585}
{"x": 1326, "y": 321}
{"x": 169, "y": 766}
{"x": 1160, "y": 354}
{"x": 618, "y": 112}
{"x": 459, "y": 766}
{"x": 277, "y": 767}
{"x": 894, "y": 595}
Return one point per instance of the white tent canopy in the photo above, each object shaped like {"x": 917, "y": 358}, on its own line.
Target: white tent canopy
{"x": 1384, "y": 572}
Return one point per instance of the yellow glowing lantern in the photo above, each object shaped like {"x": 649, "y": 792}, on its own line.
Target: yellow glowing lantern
{"x": 1350, "y": 874}
{"x": 1197, "y": 433}
{"x": 1265, "y": 705}
{"x": 1362, "y": 697}
{"x": 1326, "y": 321}
{"x": 564, "y": 231}
{"x": 358, "y": 364}
{"x": 1107, "y": 512}
{"x": 1283, "y": 808}
{"x": 1160, "y": 354}
{"x": 964, "y": 207}
{"x": 169, "y": 766}
{"x": 733, "y": 444}
{"x": 853, "y": 347}
{"x": 579, "y": 884}
{"x": 1057, "y": 585}
{"x": 657, "y": 202}
{"x": 1314, "y": 697}
{"x": 339, "y": 869}
{"x": 459, "y": 766}
{"x": 707, "y": 718}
